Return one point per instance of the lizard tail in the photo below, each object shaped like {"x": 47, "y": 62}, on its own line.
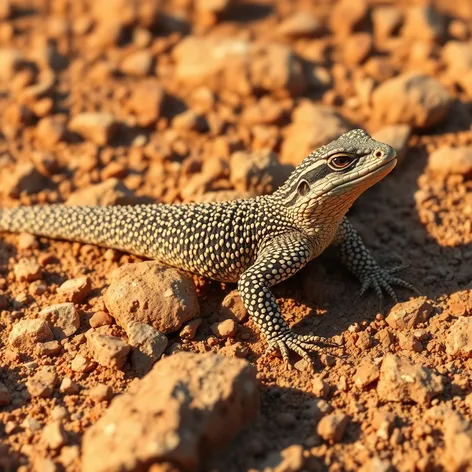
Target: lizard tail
{"x": 103, "y": 226}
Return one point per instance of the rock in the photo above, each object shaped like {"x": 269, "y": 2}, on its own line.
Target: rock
{"x": 238, "y": 65}
{"x": 189, "y": 120}
{"x": 347, "y": 16}
{"x": 5, "y": 9}
{"x": 396, "y": 136}
{"x": 153, "y": 294}
{"x": 424, "y": 23}
{"x": 212, "y": 6}
{"x": 100, "y": 318}
{"x": 137, "y": 64}
{"x": 146, "y": 102}
{"x": 331, "y": 427}
{"x": 5, "y": 396}
{"x": 408, "y": 343}
{"x": 458, "y": 57}
{"x": 258, "y": 172}
{"x": 366, "y": 374}
{"x": 82, "y": 364}
{"x": 198, "y": 404}
{"x": 420, "y": 101}
{"x": 289, "y": 459}
{"x": 109, "y": 192}
{"x": 387, "y": 20}
{"x": 75, "y": 290}
{"x": 447, "y": 161}
{"x": 409, "y": 314}
{"x": 189, "y": 331}
{"x": 300, "y": 24}
{"x": 25, "y": 178}
{"x": 27, "y": 270}
{"x": 233, "y": 307}
{"x": 312, "y": 126}
{"x": 225, "y": 329}
{"x": 234, "y": 350}
{"x": 275, "y": 67}
{"x": 401, "y": 380}
{"x": 98, "y": 127}
{"x": 25, "y": 333}
{"x": 457, "y": 455}
{"x": 357, "y": 48}
{"x": 148, "y": 343}
{"x": 100, "y": 393}
{"x": 10, "y": 62}
{"x": 319, "y": 387}
{"x": 42, "y": 383}
{"x": 53, "y": 435}
{"x": 27, "y": 241}
{"x": 285, "y": 419}
{"x": 50, "y": 131}
{"x": 108, "y": 351}
{"x": 64, "y": 319}
{"x": 459, "y": 338}
{"x": 50, "y": 348}
{"x": 68, "y": 386}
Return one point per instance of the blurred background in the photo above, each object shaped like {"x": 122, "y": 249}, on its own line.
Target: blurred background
{"x": 161, "y": 95}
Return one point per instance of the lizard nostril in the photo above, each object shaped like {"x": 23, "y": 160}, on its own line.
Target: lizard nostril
{"x": 378, "y": 154}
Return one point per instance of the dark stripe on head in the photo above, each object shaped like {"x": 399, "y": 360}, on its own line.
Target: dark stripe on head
{"x": 316, "y": 174}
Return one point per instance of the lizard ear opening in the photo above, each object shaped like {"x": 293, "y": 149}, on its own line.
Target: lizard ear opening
{"x": 303, "y": 188}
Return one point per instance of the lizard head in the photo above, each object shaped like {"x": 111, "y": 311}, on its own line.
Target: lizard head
{"x": 333, "y": 176}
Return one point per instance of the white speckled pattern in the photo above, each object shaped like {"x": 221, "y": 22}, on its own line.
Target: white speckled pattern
{"x": 257, "y": 242}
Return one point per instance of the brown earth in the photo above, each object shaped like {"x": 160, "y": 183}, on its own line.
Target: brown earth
{"x": 140, "y": 101}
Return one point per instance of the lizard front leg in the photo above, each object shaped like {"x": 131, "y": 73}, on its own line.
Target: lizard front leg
{"x": 278, "y": 261}
{"x": 357, "y": 258}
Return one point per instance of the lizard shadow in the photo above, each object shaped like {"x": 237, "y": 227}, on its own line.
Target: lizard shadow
{"x": 396, "y": 233}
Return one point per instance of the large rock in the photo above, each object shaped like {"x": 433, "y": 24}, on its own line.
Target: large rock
{"x": 312, "y": 126}
{"x": 459, "y": 339}
{"x": 187, "y": 408}
{"x": 153, "y": 294}
{"x": 412, "y": 98}
{"x": 402, "y": 381}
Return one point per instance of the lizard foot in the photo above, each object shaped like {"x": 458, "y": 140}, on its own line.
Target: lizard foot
{"x": 302, "y": 344}
{"x": 382, "y": 280}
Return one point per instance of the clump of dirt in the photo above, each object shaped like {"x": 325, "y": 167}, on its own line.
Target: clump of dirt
{"x": 124, "y": 102}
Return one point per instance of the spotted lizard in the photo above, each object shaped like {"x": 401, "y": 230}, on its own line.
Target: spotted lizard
{"x": 256, "y": 242}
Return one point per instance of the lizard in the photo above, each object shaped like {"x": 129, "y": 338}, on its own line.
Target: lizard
{"x": 255, "y": 242}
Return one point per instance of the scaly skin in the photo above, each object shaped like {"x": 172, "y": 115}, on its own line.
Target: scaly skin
{"x": 256, "y": 242}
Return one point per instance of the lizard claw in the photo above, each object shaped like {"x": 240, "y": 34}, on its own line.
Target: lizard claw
{"x": 302, "y": 344}
{"x": 382, "y": 280}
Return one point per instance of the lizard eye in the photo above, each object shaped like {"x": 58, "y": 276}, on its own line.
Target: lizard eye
{"x": 339, "y": 162}
{"x": 303, "y": 188}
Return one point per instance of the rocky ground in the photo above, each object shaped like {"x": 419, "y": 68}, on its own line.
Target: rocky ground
{"x": 123, "y": 102}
